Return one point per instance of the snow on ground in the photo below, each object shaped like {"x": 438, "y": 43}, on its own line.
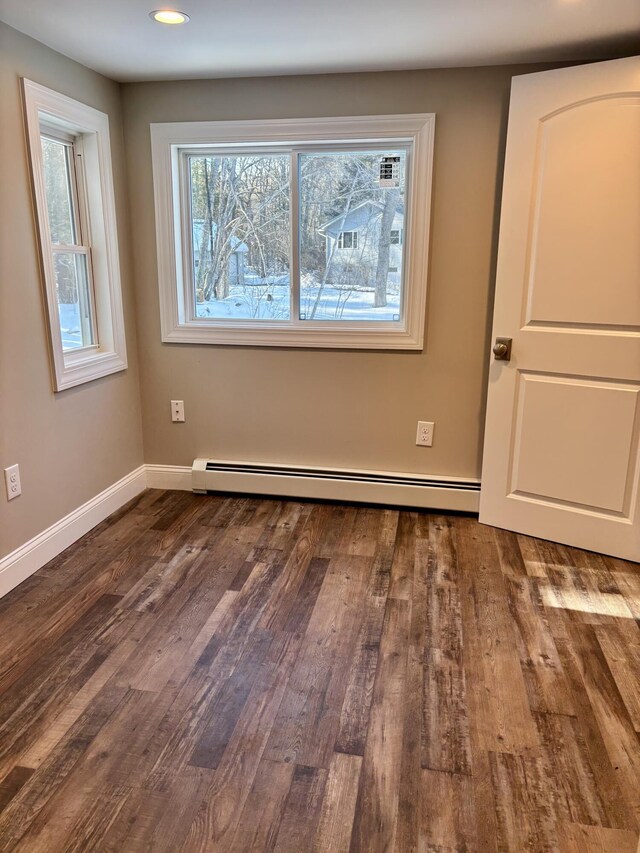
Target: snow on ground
{"x": 70, "y": 325}
{"x": 252, "y": 302}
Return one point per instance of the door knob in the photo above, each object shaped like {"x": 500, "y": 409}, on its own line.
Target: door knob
{"x": 502, "y": 349}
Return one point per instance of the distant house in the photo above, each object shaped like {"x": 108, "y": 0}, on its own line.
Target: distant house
{"x": 237, "y": 264}
{"x": 352, "y": 241}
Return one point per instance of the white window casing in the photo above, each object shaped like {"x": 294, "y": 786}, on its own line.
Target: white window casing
{"x": 47, "y": 111}
{"x": 348, "y": 240}
{"x": 169, "y": 141}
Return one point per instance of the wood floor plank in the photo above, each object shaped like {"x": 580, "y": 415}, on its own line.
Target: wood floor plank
{"x": 621, "y": 649}
{"x": 217, "y": 819}
{"x": 610, "y": 783}
{"x": 45, "y": 688}
{"x": 11, "y": 784}
{"x": 447, "y": 816}
{"x": 571, "y": 769}
{"x": 621, "y": 740}
{"x": 503, "y": 718}
{"x": 545, "y": 681}
{"x": 184, "y": 798}
{"x": 60, "y": 725}
{"x": 338, "y": 805}
{"x": 577, "y": 838}
{"x": 101, "y": 778}
{"x": 444, "y": 626}
{"x": 302, "y": 809}
{"x": 309, "y": 717}
{"x": 377, "y": 807}
{"x": 32, "y": 801}
{"x": 446, "y": 743}
{"x": 627, "y": 579}
{"x": 294, "y": 571}
{"x": 228, "y": 673}
{"x": 262, "y": 812}
{"x": 403, "y": 557}
{"x": 408, "y": 817}
{"x": 223, "y": 712}
{"x": 356, "y": 708}
{"x": 528, "y": 808}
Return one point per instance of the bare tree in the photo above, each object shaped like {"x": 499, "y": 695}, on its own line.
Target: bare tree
{"x": 220, "y": 212}
{"x": 392, "y": 197}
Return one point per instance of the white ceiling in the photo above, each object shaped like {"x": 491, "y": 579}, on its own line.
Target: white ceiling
{"x": 261, "y": 37}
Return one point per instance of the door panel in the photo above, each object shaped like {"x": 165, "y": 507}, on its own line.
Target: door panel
{"x": 562, "y": 438}
{"x": 555, "y": 454}
{"x": 586, "y": 195}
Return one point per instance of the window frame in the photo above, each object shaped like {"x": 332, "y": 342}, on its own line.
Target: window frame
{"x": 170, "y": 140}
{"x": 79, "y": 220}
{"x": 51, "y": 114}
{"x": 352, "y": 234}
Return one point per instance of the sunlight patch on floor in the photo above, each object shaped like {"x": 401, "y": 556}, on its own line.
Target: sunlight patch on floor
{"x": 601, "y": 603}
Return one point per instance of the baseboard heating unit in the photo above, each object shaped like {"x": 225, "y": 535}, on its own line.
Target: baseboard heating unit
{"x": 336, "y": 484}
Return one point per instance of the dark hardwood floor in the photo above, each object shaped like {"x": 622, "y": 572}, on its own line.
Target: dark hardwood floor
{"x": 233, "y": 674}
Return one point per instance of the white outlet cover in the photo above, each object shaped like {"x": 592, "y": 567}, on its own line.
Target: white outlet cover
{"x": 12, "y": 482}
{"x": 424, "y": 435}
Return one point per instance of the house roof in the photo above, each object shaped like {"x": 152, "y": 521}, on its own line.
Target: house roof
{"x": 198, "y": 227}
{"x": 341, "y": 219}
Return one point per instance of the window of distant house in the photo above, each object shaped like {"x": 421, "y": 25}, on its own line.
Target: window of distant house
{"x": 348, "y": 240}
{"x": 73, "y": 190}
{"x": 300, "y": 233}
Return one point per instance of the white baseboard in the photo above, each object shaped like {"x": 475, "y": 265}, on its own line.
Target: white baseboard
{"x": 28, "y": 558}
{"x": 169, "y": 477}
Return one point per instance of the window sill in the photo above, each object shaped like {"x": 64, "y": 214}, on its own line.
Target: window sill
{"x": 94, "y": 366}
{"x": 284, "y": 335}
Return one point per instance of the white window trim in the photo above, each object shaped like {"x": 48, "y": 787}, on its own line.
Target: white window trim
{"x": 341, "y": 235}
{"x": 109, "y": 355}
{"x": 417, "y": 130}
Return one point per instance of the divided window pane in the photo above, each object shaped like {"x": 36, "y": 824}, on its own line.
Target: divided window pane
{"x": 240, "y": 232}
{"x": 350, "y": 267}
{"x": 74, "y": 299}
{"x": 59, "y": 189}
{"x": 71, "y": 260}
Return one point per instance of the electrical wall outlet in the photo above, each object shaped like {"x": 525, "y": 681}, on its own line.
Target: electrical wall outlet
{"x": 177, "y": 411}
{"x": 12, "y": 482}
{"x": 424, "y": 436}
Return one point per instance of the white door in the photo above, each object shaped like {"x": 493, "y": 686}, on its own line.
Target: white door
{"x": 561, "y": 454}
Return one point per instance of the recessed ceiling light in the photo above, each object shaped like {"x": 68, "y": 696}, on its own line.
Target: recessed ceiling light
{"x": 169, "y": 16}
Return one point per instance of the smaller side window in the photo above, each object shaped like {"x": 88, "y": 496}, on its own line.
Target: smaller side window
{"x": 396, "y": 237}
{"x": 68, "y": 232}
{"x": 70, "y": 155}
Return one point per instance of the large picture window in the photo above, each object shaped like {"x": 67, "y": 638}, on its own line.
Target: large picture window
{"x": 288, "y": 233}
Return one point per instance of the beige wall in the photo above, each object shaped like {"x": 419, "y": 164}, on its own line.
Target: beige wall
{"x": 313, "y": 407}
{"x": 70, "y": 445}
{"x": 342, "y": 408}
